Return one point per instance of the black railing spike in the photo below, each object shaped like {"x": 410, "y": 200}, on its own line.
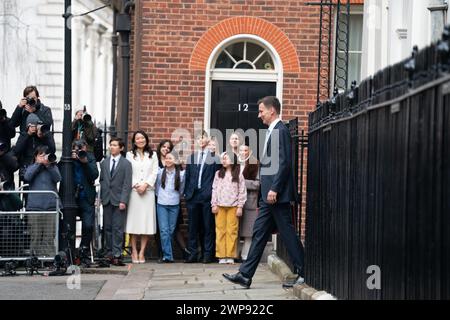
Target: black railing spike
{"x": 351, "y": 95}
{"x": 335, "y": 92}
{"x": 443, "y": 49}
{"x": 410, "y": 65}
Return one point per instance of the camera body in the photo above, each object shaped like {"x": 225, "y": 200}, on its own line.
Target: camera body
{"x": 31, "y": 102}
{"x": 79, "y": 150}
{"x": 43, "y": 128}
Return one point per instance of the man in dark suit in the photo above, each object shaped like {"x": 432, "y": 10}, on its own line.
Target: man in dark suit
{"x": 277, "y": 193}
{"x": 200, "y": 172}
{"x": 115, "y": 183}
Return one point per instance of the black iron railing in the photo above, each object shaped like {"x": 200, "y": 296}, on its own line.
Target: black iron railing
{"x": 378, "y": 201}
{"x": 299, "y": 145}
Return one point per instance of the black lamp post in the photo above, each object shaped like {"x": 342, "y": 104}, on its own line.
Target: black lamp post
{"x": 67, "y": 240}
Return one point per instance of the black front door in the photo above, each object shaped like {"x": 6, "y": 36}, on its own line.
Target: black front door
{"x": 234, "y": 105}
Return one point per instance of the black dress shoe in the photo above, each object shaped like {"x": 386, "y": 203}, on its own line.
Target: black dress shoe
{"x": 239, "y": 279}
{"x": 191, "y": 259}
{"x": 208, "y": 260}
{"x": 292, "y": 283}
{"x": 165, "y": 261}
{"x": 118, "y": 262}
{"x": 186, "y": 254}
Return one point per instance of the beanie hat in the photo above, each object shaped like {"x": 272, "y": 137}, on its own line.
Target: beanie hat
{"x": 32, "y": 119}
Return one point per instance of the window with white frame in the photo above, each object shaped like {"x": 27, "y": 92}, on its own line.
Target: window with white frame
{"x": 244, "y": 55}
{"x": 355, "y": 44}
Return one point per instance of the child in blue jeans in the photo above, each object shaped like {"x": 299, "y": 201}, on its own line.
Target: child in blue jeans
{"x": 169, "y": 188}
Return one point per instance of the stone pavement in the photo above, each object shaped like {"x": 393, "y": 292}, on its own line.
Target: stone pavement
{"x": 39, "y": 287}
{"x": 180, "y": 281}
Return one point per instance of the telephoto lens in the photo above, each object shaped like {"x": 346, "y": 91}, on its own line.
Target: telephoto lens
{"x": 82, "y": 154}
{"x": 87, "y": 117}
{"x": 51, "y": 157}
{"x": 45, "y": 128}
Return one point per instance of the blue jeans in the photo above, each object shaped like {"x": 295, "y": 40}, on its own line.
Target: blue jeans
{"x": 167, "y": 221}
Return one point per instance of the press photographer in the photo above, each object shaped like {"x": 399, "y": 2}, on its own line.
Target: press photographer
{"x": 85, "y": 173}
{"x": 8, "y": 165}
{"x": 31, "y": 104}
{"x": 36, "y": 134}
{"x": 42, "y": 175}
{"x": 84, "y": 129}
{"x": 7, "y": 131}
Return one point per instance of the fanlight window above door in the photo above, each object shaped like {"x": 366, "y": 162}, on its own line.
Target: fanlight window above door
{"x": 245, "y": 55}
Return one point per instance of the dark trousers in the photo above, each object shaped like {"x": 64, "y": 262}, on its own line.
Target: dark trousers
{"x": 269, "y": 217}
{"x": 113, "y": 224}
{"x": 86, "y": 212}
{"x": 201, "y": 218}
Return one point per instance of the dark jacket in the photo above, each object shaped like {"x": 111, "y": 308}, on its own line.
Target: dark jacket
{"x": 19, "y": 117}
{"x": 212, "y": 164}
{"x": 85, "y": 130}
{"x": 116, "y": 189}
{"x": 90, "y": 174}
{"x": 26, "y": 145}
{"x": 7, "y": 132}
{"x": 8, "y": 165}
{"x": 42, "y": 178}
{"x": 276, "y": 169}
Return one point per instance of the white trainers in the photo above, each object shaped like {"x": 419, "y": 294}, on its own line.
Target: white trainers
{"x": 230, "y": 261}
{"x": 223, "y": 261}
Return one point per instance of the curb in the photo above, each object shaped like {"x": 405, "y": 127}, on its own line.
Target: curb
{"x": 123, "y": 271}
{"x": 303, "y": 291}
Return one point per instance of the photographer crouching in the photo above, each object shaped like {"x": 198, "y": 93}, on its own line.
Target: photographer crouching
{"x": 36, "y": 134}
{"x": 85, "y": 173}
{"x": 42, "y": 175}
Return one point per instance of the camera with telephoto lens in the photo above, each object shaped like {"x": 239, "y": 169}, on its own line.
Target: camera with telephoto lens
{"x": 43, "y": 128}
{"x": 51, "y": 157}
{"x": 79, "y": 150}
{"x": 87, "y": 117}
{"x": 31, "y": 102}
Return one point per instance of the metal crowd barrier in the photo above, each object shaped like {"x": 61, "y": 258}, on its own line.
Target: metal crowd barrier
{"x": 24, "y": 234}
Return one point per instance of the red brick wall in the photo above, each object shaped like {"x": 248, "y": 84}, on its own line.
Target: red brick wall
{"x": 173, "y": 81}
{"x": 175, "y": 42}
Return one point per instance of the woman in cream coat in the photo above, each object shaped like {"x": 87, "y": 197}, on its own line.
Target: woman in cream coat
{"x": 141, "y": 218}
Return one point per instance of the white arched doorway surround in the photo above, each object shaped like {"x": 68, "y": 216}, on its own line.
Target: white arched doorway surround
{"x": 212, "y": 74}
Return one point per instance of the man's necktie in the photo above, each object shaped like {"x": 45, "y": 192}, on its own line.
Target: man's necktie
{"x": 113, "y": 167}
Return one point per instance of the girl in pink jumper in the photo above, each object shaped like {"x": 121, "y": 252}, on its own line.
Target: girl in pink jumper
{"x": 228, "y": 198}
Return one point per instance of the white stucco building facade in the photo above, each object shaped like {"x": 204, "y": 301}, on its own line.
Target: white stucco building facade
{"x": 32, "y": 53}
{"x": 392, "y": 28}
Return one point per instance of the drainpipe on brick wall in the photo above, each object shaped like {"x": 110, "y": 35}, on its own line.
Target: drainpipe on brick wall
{"x": 115, "y": 42}
{"x": 123, "y": 27}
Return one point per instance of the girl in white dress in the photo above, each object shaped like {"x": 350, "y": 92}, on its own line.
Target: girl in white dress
{"x": 141, "y": 219}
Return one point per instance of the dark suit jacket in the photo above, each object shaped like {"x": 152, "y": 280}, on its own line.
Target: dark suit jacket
{"x": 279, "y": 179}
{"x": 212, "y": 164}
{"x": 116, "y": 189}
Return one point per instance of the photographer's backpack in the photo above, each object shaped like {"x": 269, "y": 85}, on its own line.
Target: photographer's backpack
{"x": 98, "y": 145}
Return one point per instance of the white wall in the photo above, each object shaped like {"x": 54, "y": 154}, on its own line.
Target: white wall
{"x": 393, "y": 27}
{"x": 32, "y": 52}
